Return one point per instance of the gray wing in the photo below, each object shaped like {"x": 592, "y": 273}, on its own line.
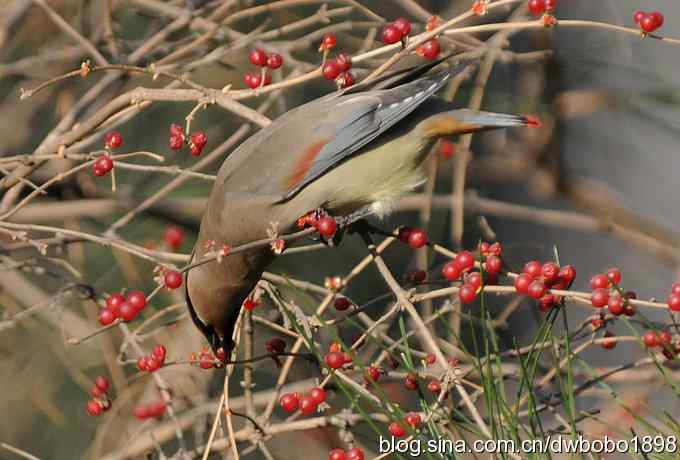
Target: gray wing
{"x": 375, "y": 112}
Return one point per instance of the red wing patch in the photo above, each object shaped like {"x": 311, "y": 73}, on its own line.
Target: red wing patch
{"x": 305, "y": 163}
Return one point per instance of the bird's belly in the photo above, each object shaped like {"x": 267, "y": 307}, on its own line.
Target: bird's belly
{"x": 375, "y": 177}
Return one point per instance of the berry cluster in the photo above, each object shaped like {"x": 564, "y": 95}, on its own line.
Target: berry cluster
{"x": 396, "y": 31}
{"x": 307, "y": 404}
{"x": 151, "y": 410}
{"x": 265, "y": 61}
{"x": 663, "y": 340}
{"x": 536, "y": 278}
{"x": 606, "y": 292}
{"x": 325, "y": 224}
{"x": 153, "y": 361}
{"x": 100, "y": 401}
{"x": 355, "y": 453}
{"x": 673, "y": 300}
{"x": 197, "y": 140}
{"x": 338, "y": 70}
{"x": 207, "y": 360}
{"x": 648, "y": 22}
{"x": 118, "y": 306}
{"x": 104, "y": 164}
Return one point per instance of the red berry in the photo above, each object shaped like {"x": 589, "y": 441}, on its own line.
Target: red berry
{"x": 413, "y": 419}
{"x": 567, "y": 275}
{"x": 172, "y": 279}
{"x": 430, "y": 359}
{"x": 176, "y": 142}
{"x": 330, "y": 70}
{"x": 417, "y": 238}
{"x": 536, "y": 289}
{"x": 337, "y": 454}
{"x": 206, "y": 360}
{"x": 274, "y": 61}
{"x": 405, "y": 232}
{"x": 522, "y": 283}
{"x": 629, "y": 310}
{"x": 474, "y": 279}
{"x": 174, "y": 237}
{"x": 465, "y": 260}
{"x": 199, "y": 139}
{"x": 403, "y": 26}
{"x": 356, "y": 453}
{"x": 128, "y": 312}
{"x": 326, "y": 226}
{"x": 494, "y": 265}
{"x": 675, "y": 289}
{"x": 665, "y": 338}
{"x": 533, "y": 268}
{"x": 137, "y": 300}
{"x": 657, "y": 20}
{"x": 258, "y": 57}
{"x": 342, "y": 303}
{"x": 317, "y": 394}
{"x": 432, "y": 23}
{"x": 550, "y": 5}
{"x": 416, "y": 276}
{"x": 546, "y": 302}
{"x": 467, "y": 293}
{"x": 96, "y": 392}
{"x": 250, "y": 304}
{"x": 446, "y": 148}
{"x": 253, "y": 80}
{"x": 152, "y": 365}
{"x": 550, "y": 272}
{"x": 344, "y": 62}
{"x": 391, "y": 34}
{"x": 345, "y": 80}
{"x": 651, "y": 339}
{"x": 195, "y": 150}
{"x": 335, "y": 359}
{"x": 648, "y": 23}
{"x": 290, "y": 402}
{"x": 536, "y": 7}
{"x": 614, "y": 275}
{"x": 451, "y": 271}
{"x": 430, "y": 49}
{"x": 411, "y": 382}
{"x": 106, "y": 317}
{"x": 495, "y": 249}
{"x": 608, "y": 344}
{"x": 674, "y": 302}
{"x": 93, "y": 408}
{"x": 328, "y": 41}
{"x": 102, "y": 383}
{"x": 307, "y": 405}
{"x": 396, "y": 430}
{"x": 176, "y": 130}
{"x": 599, "y": 298}
{"x": 113, "y": 140}
{"x": 159, "y": 353}
{"x": 157, "y": 409}
{"x": 221, "y": 354}
{"x": 637, "y": 17}
{"x": 276, "y": 345}
{"x": 143, "y": 363}
{"x": 434, "y": 386}
{"x": 616, "y": 305}
{"x": 599, "y": 281}
{"x": 102, "y": 166}
{"x": 372, "y": 374}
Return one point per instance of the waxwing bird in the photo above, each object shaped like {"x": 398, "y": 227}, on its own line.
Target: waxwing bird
{"x": 353, "y": 150}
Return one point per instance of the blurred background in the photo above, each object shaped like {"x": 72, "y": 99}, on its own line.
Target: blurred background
{"x": 606, "y": 156}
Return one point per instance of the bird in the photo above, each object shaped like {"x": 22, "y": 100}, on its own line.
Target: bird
{"x": 350, "y": 153}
